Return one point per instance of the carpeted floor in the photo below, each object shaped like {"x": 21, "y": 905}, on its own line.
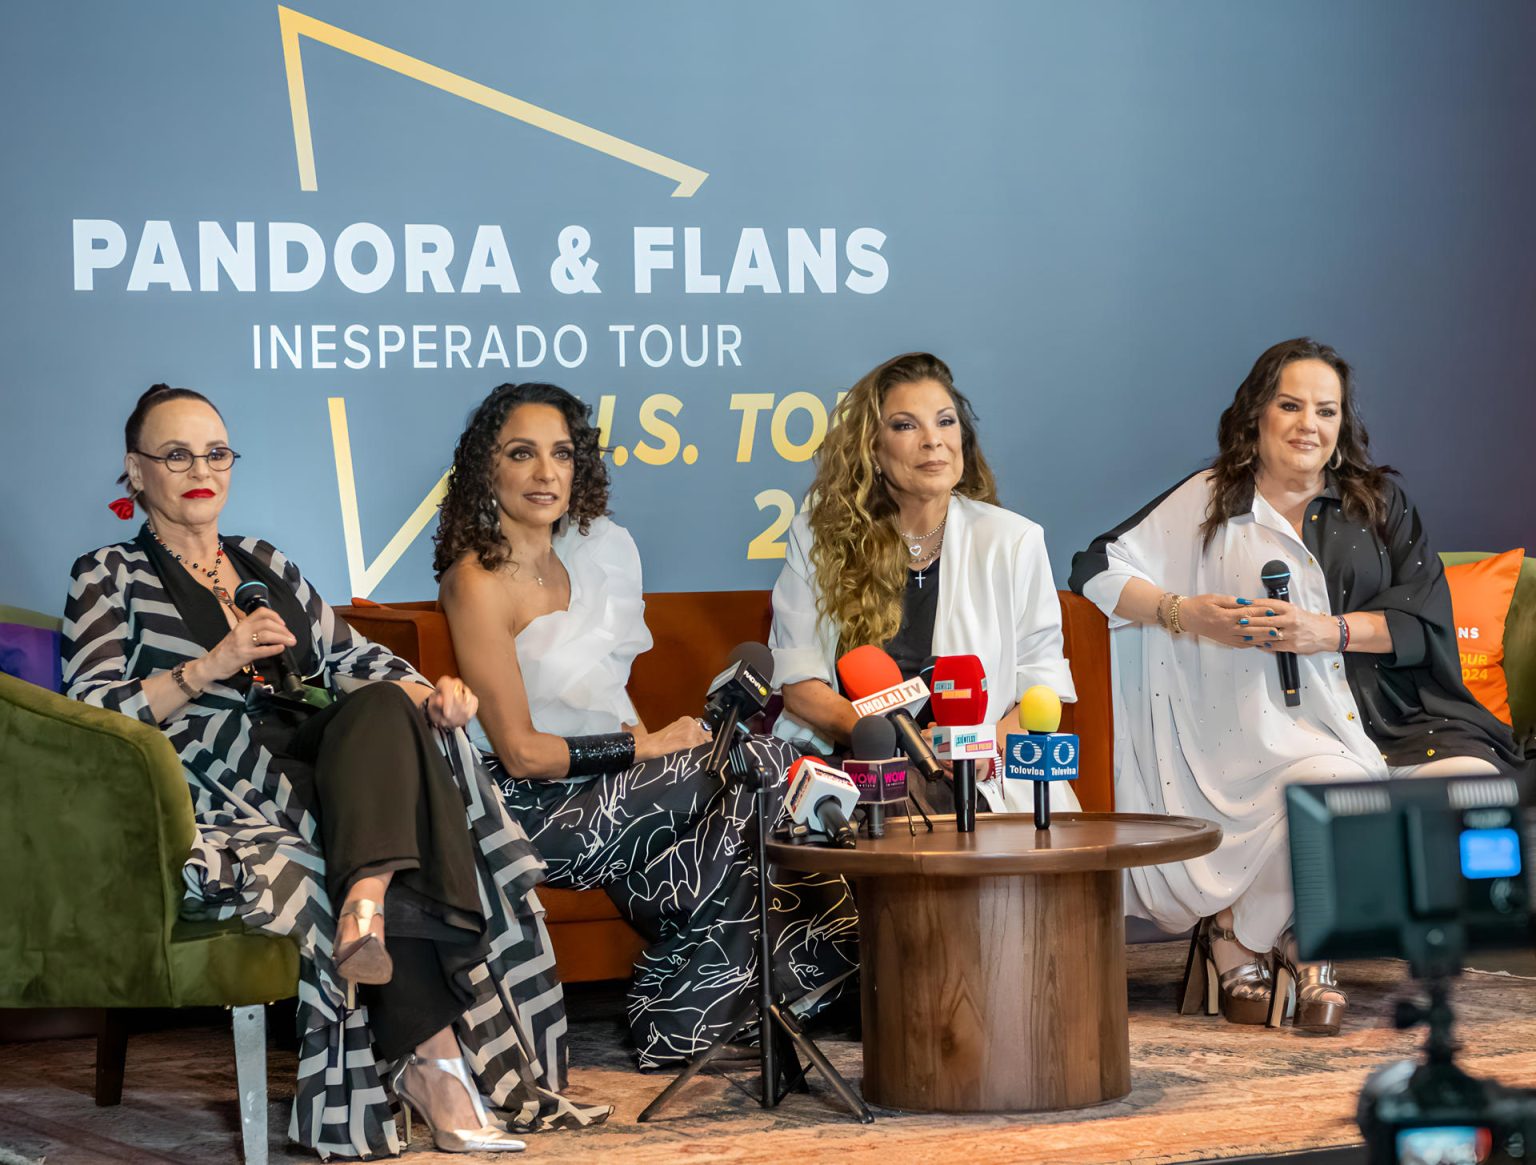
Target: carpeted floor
{"x": 1202, "y": 1090}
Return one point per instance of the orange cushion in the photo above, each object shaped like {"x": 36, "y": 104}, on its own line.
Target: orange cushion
{"x": 1481, "y": 592}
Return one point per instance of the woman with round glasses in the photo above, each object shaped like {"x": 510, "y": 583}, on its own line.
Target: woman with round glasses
{"x": 356, "y": 821}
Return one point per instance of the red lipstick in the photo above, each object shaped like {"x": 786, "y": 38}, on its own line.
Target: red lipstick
{"x": 198, "y": 493}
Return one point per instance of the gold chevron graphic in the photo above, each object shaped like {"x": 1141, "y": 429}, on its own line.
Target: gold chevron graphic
{"x": 294, "y": 25}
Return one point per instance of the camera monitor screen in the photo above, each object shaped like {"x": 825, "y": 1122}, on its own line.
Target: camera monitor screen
{"x": 1424, "y": 868}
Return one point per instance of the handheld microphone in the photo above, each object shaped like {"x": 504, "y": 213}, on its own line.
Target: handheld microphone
{"x": 738, "y": 693}
{"x": 1043, "y": 754}
{"x": 963, "y": 735}
{"x": 250, "y": 596}
{"x": 821, "y": 798}
{"x": 874, "y": 685}
{"x": 881, "y": 775}
{"x": 1277, "y": 584}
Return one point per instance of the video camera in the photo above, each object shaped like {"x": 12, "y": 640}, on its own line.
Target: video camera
{"x": 1424, "y": 869}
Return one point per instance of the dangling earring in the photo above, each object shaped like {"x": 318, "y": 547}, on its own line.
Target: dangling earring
{"x": 1337, "y": 459}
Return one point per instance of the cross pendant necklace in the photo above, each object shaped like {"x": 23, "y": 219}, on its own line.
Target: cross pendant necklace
{"x": 920, "y": 576}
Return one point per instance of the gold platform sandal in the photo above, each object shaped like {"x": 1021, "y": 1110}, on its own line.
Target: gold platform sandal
{"x": 1308, "y": 994}
{"x": 488, "y": 1138}
{"x": 1241, "y": 995}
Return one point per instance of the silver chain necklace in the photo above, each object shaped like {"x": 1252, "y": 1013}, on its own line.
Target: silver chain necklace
{"x": 914, "y": 541}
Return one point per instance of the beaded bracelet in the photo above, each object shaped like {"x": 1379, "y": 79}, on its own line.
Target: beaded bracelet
{"x": 609, "y": 752}
{"x": 1174, "y": 624}
{"x": 1343, "y": 635}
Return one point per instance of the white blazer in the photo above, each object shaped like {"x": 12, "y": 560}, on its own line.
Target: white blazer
{"x": 997, "y": 601}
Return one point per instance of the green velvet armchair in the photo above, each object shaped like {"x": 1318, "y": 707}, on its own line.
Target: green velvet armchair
{"x": 95, "y": 824}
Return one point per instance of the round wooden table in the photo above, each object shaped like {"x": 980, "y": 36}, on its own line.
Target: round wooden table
{"x": 993, "y": 962}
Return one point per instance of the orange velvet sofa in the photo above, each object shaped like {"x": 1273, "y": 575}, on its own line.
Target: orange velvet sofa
{"x": 694, "y": 631}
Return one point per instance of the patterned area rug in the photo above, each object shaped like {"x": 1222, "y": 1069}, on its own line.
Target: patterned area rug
{"x": 1202, "y": 1090}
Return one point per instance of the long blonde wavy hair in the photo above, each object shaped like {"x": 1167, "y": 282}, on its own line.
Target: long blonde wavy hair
{"x": 859, "y": 557}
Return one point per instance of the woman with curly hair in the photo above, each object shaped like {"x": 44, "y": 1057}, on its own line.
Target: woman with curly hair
{"x": 544, "y": 600}
{"x": 904, "y": 546}
{"x": 1202, "y": 726}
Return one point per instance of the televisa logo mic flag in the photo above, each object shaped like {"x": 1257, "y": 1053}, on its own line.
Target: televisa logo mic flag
{"x": 1040, "y": 754}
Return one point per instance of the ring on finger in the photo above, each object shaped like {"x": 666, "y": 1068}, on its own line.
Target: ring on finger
{"x": 256, "y": 639}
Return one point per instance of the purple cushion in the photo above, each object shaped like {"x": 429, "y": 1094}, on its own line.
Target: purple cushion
{"x": 31, "y": 654}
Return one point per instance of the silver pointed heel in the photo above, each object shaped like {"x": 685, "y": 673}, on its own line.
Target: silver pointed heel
{"x": 485, "y": 1139}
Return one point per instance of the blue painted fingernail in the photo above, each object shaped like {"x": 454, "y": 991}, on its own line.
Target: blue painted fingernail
{"x": 1242, "y": 622}
{"x": 1269, "y": 612}
{"x": 1248, "y": 637}
{"x": 1274, "y": 634}
{"x": 1245, "y": 602}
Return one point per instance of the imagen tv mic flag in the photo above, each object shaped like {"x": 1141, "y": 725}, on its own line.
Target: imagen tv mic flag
{"x": 872, "y": 681}
{"x": 964, "y": 735}
{"x": 1041, "y": 754}
{"x": 821, "y": 798}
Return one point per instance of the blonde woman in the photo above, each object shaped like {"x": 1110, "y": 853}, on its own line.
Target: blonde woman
{"x": 904, "y": 546}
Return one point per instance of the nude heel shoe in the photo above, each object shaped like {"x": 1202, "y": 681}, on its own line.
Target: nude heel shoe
{"x": 365, "y": 959}
{"x": 485, "y": 1139}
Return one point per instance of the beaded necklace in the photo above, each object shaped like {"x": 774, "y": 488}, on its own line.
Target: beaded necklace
{"x": 218, "y": 588}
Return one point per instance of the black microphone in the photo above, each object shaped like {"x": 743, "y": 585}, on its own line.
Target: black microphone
{"x": 738, "y": 693}
{"x": 1277, "y": 583}
{"x": 879, "y": 773}
{"x": 249, "y": 596}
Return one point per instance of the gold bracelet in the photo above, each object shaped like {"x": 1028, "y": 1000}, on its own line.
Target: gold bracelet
{"x": 179, "y": 674}
{"x": 1162, "y": 618}
{"x": 1174, "y": 624}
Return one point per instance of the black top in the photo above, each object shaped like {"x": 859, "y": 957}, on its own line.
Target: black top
{"x": 912, "y": 645}
{"x": 202, "y": 613}
{"x": 1413, "y": 700}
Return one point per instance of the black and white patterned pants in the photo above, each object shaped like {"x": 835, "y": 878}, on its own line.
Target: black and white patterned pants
{"x": 674, "y": 849}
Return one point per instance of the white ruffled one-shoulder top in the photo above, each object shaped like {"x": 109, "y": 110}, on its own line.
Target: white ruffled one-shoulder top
{"x": 576, "y": 662}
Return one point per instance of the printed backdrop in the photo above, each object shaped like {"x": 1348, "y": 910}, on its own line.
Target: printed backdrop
{"x": 347, "y": 221}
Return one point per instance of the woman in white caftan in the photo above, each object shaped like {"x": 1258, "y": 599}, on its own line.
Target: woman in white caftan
{"x": 1201, "y": 725}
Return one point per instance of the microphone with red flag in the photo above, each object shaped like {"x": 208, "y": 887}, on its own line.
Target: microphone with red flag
{"x": 964, "y": 734}
{"x": 872, "y": 681}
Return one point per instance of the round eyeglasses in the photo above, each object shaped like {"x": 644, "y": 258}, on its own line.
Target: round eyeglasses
{"x": 180, "y": 460}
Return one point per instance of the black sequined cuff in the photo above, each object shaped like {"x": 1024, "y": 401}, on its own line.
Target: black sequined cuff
{"x": 612, "y": 752}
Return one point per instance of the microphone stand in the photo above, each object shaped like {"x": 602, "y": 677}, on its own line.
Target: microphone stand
{"x": 779, "y": 1034}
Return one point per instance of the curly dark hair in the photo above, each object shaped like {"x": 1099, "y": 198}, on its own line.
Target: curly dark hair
{"x": 470, "y": 519}
{"x": 1362, "y": 484}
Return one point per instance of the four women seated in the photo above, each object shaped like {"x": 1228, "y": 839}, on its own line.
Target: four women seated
{"x": 361, "y": 821}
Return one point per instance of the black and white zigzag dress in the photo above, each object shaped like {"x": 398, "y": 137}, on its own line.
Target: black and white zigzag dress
{"x": 257, "y": 858}
{"x": 672, "y": 846}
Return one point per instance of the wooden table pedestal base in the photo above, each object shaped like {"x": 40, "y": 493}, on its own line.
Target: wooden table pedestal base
{"x": 995, "y": 994}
